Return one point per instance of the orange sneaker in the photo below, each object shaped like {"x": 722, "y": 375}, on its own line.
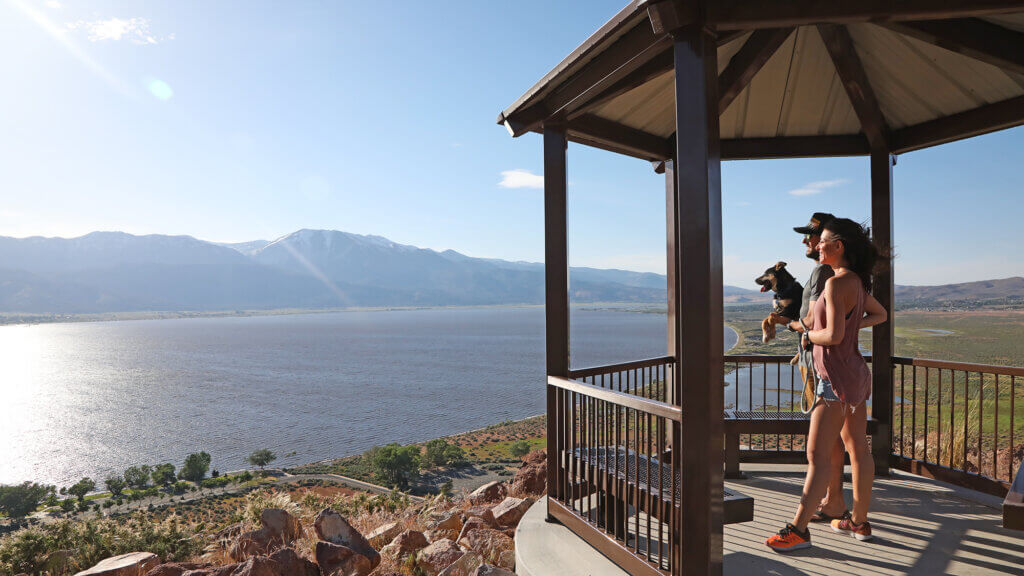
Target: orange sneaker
{"x": 789, "y": 539}
{"x": 845, "y": 525}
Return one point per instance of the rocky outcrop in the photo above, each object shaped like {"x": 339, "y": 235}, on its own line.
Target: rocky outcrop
{"x": 532, "y": 477}
{"x": 488, "y": 570}
{"x": 490, "y": 492}
{"x": 404, "y": 544}
{"x": 176, "y": 568}
{"x": 294, "y": 565}
{"x": 332, "y": 527}
{"x": 258, "y": 566}
{"x": 384, "y": 534}
{"x": 438, "y": 556}
{"x": 464, "y": 566}
{"x": 483, "y": 512}
{"x": 510, "y": 511}
{"x": 131, "y": 564}
{"x": 279, "y": 528}
{"x": 488, "y": 543}
{"x": 338, "y": 560}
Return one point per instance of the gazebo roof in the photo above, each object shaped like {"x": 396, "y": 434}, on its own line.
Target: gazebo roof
{"x": 796, "y": 78}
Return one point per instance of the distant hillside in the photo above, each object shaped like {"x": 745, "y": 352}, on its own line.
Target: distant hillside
{"x": 981, "y": 293}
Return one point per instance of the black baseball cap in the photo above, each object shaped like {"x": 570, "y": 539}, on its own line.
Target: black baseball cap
{"x": 814, "y": 226}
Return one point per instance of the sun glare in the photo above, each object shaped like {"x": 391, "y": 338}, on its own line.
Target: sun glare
{"x": 160, "y": 89}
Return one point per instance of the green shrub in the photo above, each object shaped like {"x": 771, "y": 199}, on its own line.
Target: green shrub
{"x": 520, "y": 448}
{"x": 217, "y": 482}
{"x": 26, "y": 551}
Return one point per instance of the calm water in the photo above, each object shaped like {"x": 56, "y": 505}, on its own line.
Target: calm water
{"x": 90, "y": 399}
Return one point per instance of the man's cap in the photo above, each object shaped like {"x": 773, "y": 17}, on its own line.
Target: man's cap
{"x": 814, "y": 226}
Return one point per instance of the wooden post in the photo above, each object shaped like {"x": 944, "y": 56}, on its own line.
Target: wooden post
{"x": 699, "y": 306}
{"x": 883, "y": 290}
{"x": 672, "y": 252}
{"x": 556, "y": 289}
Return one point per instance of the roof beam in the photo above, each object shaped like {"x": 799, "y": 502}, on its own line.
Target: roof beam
{"x": 840, "y": 48}
{"x": 745, "y": 64}
{"x": 620, "y": 138}
{"x": 631, "y": 51}
{"x": 971, "y": 37}
{"x": 753, "y": 14}
{"x": 794, "y": 147}
{"x": 990, "y": 118}
{"x": 661, "y": 64}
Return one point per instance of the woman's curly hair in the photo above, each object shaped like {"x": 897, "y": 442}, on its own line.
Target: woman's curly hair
{"x": 861, "y": 254}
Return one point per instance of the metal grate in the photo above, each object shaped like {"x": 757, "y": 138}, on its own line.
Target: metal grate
{"x": 765, "y": 415}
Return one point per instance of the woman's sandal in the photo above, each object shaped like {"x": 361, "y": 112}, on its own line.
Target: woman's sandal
{"x": 820, "y": 516}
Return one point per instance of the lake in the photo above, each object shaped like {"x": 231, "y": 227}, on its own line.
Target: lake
{"x": 90, "y": 399}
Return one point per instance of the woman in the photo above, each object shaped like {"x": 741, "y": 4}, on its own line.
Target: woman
{"x": 845, "y": 306}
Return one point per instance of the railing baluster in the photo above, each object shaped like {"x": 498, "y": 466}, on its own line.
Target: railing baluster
{"x": 927, "y": 390}
{"x": 1013, "y": 419}
{"x": 981, "y": 417}
{"x": 995, "y": 433}
{"x": 938, "y": 425}
{"x": 967, "y": 406}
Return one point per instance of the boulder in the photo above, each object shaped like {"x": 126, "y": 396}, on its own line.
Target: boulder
{"x": 225, "y": 570}
{"x": 404, "y": 544}
{"x": 508, "y": 513}
{"x": 470, "y": 525}
{"x": 252, "y": 543}
{"x": 490, "y": 492}
{"x": 451, "y": 520}
{"x": 489, "y": 570}
{"x": 281, "y": 524}
{"x": 507, "y": 560}
{"x": 294, "y": 565}
{"x": 488, "y": 543}
{"x": 130, "y": 564}
{"x": 532, "y": 476}
{"x": 435, "y": 535}
{"x": 258, "y": 566}
{"x": 175, "y": 568}
{"x": 338, "y": 560}
{"x": 464, "y": 566}
{"x": 332, "y": 527}
{"x": 438, "y": 556}
{"x": 382, "y": 535}
{"x": 483, "y": 512}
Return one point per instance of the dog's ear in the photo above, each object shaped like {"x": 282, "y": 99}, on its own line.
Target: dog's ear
{"x": 780, "y": 265}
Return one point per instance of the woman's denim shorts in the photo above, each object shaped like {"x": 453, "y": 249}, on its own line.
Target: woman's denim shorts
{"x": 824, "y": 391}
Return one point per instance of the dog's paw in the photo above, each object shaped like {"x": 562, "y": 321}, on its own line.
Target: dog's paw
{"x": 765, "y": 337}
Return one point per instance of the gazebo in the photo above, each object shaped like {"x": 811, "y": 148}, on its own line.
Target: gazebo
{"x": 686, "y": 84}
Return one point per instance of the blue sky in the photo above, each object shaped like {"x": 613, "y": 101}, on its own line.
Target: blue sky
{"x": 232, "y": 121}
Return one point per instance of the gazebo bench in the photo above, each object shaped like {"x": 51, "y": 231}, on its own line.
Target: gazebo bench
{"x": 633, "y": 486}
{"x": 763, "y": 422}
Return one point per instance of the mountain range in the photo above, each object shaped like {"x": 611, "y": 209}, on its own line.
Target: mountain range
{"x": 119, "y": 272}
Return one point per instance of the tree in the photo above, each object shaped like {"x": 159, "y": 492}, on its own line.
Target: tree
{"x": 163, "y": 474}
{"x": 195, "y": 467}
{"x": 394, "y": 464}
{"x": 137, "y": 476}
{"x": 67, "y": 504}
{"x": 22, "y": 499}
{"x": 115, "y": 484}
{"x": 261, "y": 457}
{"x": 82, "y": 487}
{"x": 520, "y": 448}
{"x": 434, "y": 455}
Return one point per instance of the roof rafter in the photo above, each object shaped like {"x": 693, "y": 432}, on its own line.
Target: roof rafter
{"x": 971, "y": 37}
{"x": 851, "y": 71}
{"x": 746, "y": 63}
{"x": 624, "y": 138}
{"x": 989, "y": 118}
{"x": 753, "y": 14}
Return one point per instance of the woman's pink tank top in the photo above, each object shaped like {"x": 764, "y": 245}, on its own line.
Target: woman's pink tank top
{"x": 842, "y": 364}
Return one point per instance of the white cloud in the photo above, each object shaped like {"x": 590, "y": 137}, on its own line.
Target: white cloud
{"x": 134, "y": 30}
{"x": 817, "y": 187}
{"x": 54, "y": 4}
{"x": 520, "y": 179}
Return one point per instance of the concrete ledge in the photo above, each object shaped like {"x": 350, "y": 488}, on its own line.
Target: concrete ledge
{"x": 544, "y": 549}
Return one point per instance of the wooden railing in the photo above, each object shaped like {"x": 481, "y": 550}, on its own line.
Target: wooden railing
{"x": 958, "y": 422}
{"x": 609, "y": 484}
{"x": 652, "y": 378}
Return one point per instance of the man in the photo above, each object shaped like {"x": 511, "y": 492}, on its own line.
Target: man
{"x": 833, "y": 506}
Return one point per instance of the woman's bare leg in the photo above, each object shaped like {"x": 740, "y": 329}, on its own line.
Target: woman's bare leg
{"x": 826, "y": 423}
{"x": 834, "y": 503}
{"x": 854, "y": 435}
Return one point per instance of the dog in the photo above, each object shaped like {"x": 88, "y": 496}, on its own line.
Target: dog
{"x": 788, "y": 297}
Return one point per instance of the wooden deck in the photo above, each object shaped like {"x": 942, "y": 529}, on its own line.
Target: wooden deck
{"x": 921, "y": 527}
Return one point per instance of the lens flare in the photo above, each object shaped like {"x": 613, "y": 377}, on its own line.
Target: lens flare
{"x": 160, "y": 89}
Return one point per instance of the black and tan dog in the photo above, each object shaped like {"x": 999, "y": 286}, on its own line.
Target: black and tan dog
{"x": 788, "y": 297}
